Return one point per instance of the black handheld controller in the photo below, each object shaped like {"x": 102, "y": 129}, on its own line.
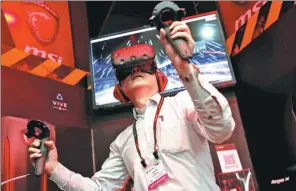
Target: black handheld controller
{"x": 43, "y": 134}
{"x": 180, "y": 45}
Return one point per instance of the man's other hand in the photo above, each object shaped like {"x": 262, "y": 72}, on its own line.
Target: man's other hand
{"x": 51, "y": 161}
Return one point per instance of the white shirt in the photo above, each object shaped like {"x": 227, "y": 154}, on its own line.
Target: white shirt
{"x": 182, "y": 136}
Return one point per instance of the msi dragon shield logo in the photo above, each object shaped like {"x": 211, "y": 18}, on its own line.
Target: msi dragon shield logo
{"x": 42, "y": 21}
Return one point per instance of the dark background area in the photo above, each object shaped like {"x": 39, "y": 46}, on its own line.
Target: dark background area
{"x": 266, "y": 80}
{"x": 103, "y": 16}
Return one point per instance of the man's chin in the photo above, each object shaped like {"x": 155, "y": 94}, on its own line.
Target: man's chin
{"x": 140, "y": 85}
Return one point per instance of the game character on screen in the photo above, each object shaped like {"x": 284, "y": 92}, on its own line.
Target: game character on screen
{"x": 166, "y": 147}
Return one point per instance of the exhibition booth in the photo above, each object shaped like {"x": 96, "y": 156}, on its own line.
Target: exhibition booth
{"x": 54, "y": 72}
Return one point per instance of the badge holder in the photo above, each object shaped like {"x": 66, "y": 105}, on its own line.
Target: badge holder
{"x": 180, "y": 45}
{"x": 156, "y": 175}
{"x": 40, "y": 131}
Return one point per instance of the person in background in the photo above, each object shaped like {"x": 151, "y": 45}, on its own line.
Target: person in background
{"x": 166, "y": 148}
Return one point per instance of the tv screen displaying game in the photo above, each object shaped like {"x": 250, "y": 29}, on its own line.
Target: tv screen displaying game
{"x": 209, "y": 54}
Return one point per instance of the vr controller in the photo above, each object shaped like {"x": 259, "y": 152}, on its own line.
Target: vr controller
{"x": 40, "y": 131}
{"x": 180, "y": 45}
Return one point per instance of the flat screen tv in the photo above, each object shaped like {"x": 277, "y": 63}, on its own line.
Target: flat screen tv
{"x": 209, "y": 55}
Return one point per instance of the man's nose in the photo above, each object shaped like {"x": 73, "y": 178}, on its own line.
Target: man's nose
{"x": 135, "y": 70}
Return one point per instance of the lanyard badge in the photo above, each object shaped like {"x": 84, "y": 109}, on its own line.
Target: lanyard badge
{"x": 156, "y": 173}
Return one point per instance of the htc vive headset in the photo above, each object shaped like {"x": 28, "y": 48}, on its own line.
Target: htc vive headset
{"x": 131, "y": 59}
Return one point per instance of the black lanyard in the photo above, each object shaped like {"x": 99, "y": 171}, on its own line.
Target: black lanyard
{"x": 155, "y": 153}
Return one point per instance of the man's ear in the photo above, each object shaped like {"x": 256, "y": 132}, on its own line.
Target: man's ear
{"x": 119, "y": 93}
{"x": 126, "y": 89}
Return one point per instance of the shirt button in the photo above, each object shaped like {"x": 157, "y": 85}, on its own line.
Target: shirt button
{"x": 210, "y": 117}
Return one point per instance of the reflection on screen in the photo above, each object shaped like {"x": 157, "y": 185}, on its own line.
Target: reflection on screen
{"x": 209, "y": 55}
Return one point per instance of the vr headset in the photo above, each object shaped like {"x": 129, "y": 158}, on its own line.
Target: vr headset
{"x": 126, "y": 59}
{"x": 131, "y": 59}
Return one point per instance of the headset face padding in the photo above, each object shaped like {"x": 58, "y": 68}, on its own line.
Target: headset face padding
{"x": 161, "y": 79}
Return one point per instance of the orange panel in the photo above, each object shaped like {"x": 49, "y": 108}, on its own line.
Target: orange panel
{"x": 45, "y": 68}
{"x": 234, "y": 14}
{"x": 273, "y": 13}
{"x": 74, "y": 77}
{"x": 13, "y": 56}
{"x": 230, "y": 42}
{"x": 5, "y": 159}
{"x": 43, "y": 186}
{"x": 249, "y": 31}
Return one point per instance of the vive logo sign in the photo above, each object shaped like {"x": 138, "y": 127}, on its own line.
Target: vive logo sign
{"x": 59, "y": 103}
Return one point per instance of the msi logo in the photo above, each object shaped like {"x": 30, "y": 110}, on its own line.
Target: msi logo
{"x": 43, "y": 54}
{"x": 245, "y": 17}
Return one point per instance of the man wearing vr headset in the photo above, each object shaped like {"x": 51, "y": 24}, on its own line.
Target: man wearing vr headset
{"x": 166, "y": 148}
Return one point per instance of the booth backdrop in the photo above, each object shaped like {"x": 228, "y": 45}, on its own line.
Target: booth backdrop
{"x": 266, "y": 75}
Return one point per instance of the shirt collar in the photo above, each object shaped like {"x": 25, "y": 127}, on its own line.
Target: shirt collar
{"x": 153, "y": 100}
